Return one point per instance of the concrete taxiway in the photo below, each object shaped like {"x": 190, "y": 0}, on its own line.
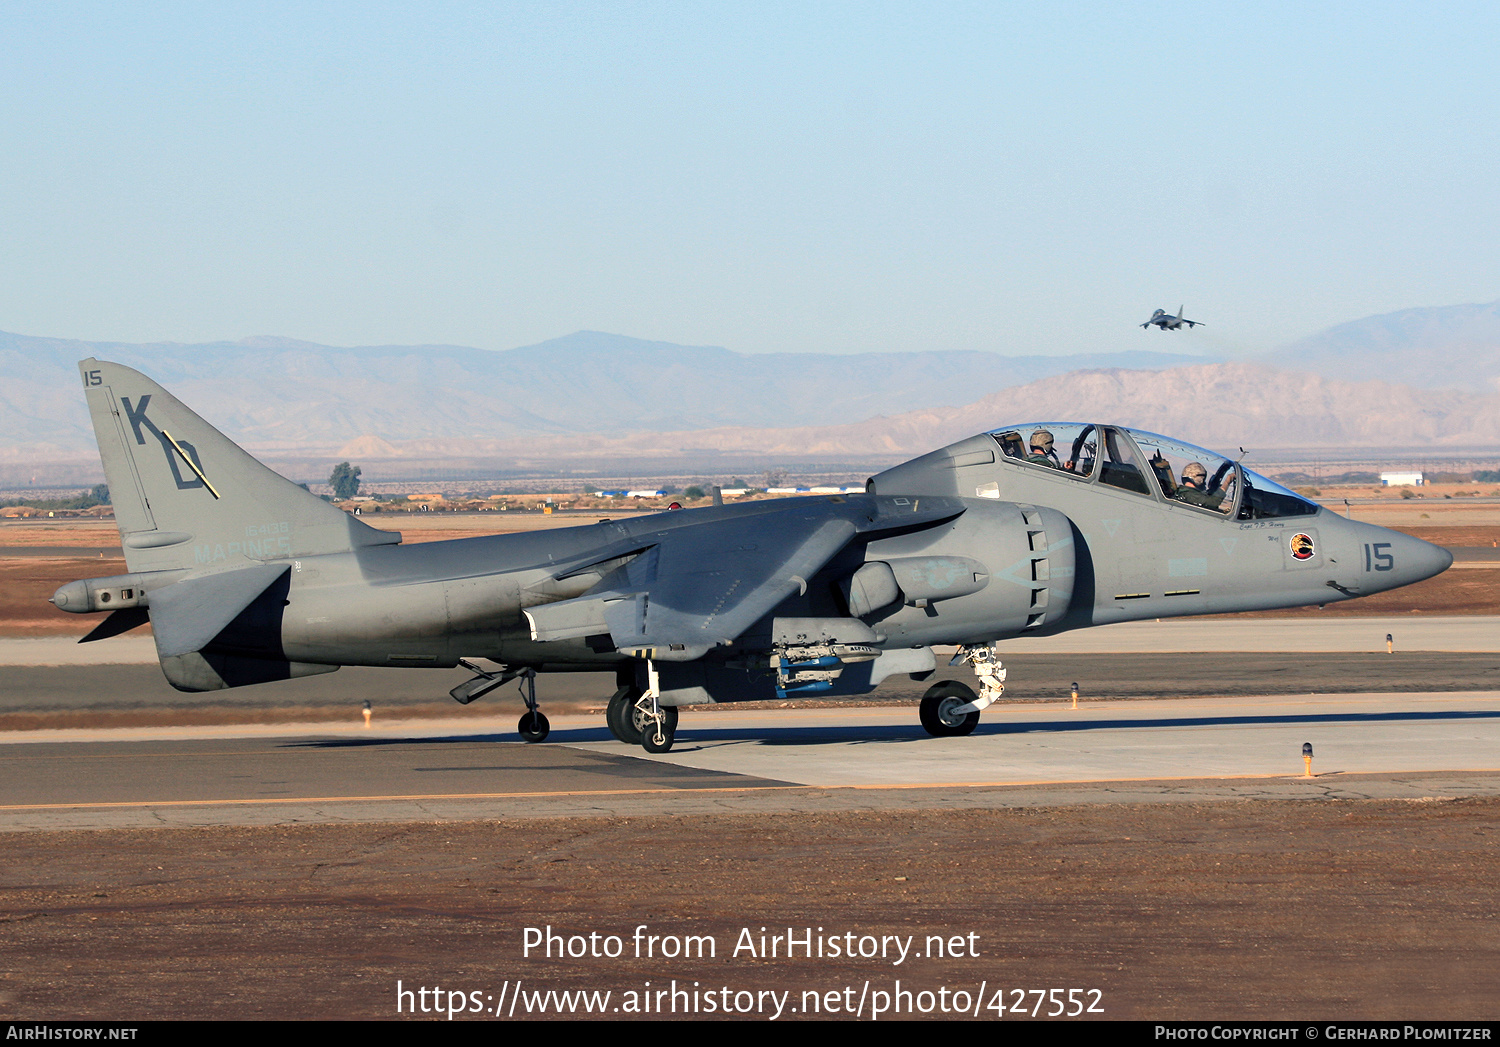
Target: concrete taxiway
{"x": 1371, "y": 745}
{"x": 1434, "y": 730}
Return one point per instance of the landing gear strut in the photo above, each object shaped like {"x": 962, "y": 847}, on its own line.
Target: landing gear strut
{"x": 627, "y": 719}
{"x": 657, "y": 722}
{"x": 951, "y": 708}
{"x": 533, "y": 726}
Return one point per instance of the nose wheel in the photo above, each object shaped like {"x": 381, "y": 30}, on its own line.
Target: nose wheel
{"x": 948, "y": 710}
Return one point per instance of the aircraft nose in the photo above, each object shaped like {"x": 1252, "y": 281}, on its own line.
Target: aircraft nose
{"x": 1389, "y": 559}
{"x": 1401, "y": 559}
{"x": 1417, "y": 559}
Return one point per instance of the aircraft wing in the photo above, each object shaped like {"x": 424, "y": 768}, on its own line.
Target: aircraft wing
{"x": 702, "y": 586}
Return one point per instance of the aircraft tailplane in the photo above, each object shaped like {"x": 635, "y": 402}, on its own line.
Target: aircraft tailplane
{"x": 185, "y": 496}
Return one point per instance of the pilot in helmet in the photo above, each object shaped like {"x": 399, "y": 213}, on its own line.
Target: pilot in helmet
{"x": 1194, "y": 490}
{"x": 1041, "y": 450}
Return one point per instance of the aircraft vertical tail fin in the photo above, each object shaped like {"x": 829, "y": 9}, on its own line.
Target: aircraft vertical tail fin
{"x": 186, "y": 496}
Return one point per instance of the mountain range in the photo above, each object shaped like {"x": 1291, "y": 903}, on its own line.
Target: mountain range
{"x": 277, "y": 392}
{"x": 1455, "y": 347}
{"x": 1430, "y": 378}
{"x": 1205, "y": 404}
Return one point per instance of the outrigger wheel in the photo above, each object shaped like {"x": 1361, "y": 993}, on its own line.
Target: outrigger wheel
{"x": 939, "y": 710}
{"x": 533, "y": 727}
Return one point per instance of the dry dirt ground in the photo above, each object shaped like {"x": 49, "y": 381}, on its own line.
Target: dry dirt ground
{"x": 1269, "y": 910}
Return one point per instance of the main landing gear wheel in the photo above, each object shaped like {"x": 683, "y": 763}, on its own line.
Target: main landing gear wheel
{"x": 533, "y": 727}
{"x": 938, "y": 710}
{"x": 622, "y": 717}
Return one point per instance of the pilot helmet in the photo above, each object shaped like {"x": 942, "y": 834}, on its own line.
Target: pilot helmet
{"x": 1195, "y": 472}
{"x": 1041, "y": 440}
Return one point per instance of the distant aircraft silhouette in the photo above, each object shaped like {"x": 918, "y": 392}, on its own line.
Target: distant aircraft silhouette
{"x": 1161, "y": 318}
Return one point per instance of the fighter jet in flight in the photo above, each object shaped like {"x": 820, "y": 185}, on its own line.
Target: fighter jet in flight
{"x": 1161, "y": 318}
{"x": 1034, "y": 529}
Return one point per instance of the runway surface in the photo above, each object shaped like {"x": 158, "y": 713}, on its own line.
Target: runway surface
{"x": 118, "y": 747}
{"x": 1271, "y": 635}
{"x": 1373, "y": 745}
{"x": 137, "y": 695}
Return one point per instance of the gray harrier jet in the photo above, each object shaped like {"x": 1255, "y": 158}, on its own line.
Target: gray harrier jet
{"x": 1167, "y": 322}
{"x": 1043, "y": 528}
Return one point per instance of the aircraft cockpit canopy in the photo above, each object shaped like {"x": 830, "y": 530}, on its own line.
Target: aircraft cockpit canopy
{"x": 1149, "y": 465}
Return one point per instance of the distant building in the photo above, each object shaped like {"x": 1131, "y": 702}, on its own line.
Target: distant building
{"x": 1401, "y": 479}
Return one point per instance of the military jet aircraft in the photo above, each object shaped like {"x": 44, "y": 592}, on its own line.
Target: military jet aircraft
{"x": 1167, "y": 322}
{"x": 1041, "y": 529}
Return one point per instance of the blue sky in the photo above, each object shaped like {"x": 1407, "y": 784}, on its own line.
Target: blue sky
{"x": 767, "y": 177}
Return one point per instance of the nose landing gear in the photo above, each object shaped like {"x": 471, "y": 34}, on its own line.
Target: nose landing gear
{"x": 950, "y": 709}
{"x": 942, "y": 707}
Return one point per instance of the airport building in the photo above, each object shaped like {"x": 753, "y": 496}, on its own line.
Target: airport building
{"x": 1401, "y": 479}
